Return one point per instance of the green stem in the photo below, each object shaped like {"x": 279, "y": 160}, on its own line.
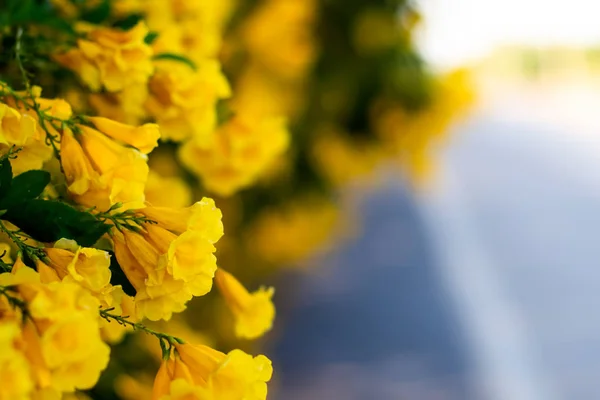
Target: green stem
{"x": 124, "y": 220}
{"x": 166, "y": 341}
{"x": 17, "y": 237}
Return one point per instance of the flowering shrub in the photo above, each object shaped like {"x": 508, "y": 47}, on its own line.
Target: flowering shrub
{"x": 126, "y": 126}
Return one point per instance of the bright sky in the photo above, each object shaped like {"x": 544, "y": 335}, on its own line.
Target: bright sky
{"x": 461, "y": 30}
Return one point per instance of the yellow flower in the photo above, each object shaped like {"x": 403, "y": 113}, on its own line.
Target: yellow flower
{"x": 86, "y": 266}
{"x": 125, "y": 106}
{"x": 130, "y": 387}
{"x": 19, "y": 127}
{"x": 170, "y": 191}
{"x": 185, "y": 253}
{"x": 5, "y": 250}
{"x": 172, "y": 260}
{"x": 200, "y": 372}
{"x": 262, "y": 95}
{"x": 341, "y": 159}
{"x": 194, "y": 28}
{"x": 235, "y": 375}
{"x": 111, "y": 58}
{"x": 101, "y": 172}
{"x": 183, "y": 101}
{"x": 410, "y": 137}
{"x": 17, "y": 382}
{"x": 65, "y": 7}
{"x": 174, "y": 381}
{"x": 78, "y": 170}
{"x": 47, "y": 394}
{"x": 253, "y": 312}
{"x": 122, "y": 8}
{"x": 15, "y": 129}
{"x": 292, "y": 233}
{"x": 202, "y": 216}
{"x": 237, "y": 154}
{"x": 76, "y": 396}
{"x": 144, "y": 138}
{"x": 64, "y": 338}
{"x": 279, "y": 36}
{"x": 89, "y": 268}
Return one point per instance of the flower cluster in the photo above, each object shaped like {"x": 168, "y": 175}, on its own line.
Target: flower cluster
{"x": 170, "y": 260}
{"x": 121, "y": 120}
{"x": 54, "y": 332}
{"x": 200, "y": 372}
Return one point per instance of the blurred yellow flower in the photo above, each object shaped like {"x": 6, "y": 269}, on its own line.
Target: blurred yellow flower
{"x": 18, "y": 383}
{"x": 279, "y": 36}
{"x": 194, "y": 28}
{"x": 167, "y": 191}
{"x": 237, "y": 154}
{"x": 261, "y": 94}
{"x": 110, "y": 58}
{"x": 293, "y": 232}
{"x": 411, "y": 137}
{"x": 341, "y": 160}
{"x": 128, "y": 387}
{"x": 126, "y": 105}
{"x": 183, "y": 101}
{"x": 253, "y": 312}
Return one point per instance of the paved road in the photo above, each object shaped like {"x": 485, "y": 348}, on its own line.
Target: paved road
{"x": 485, "y": 287}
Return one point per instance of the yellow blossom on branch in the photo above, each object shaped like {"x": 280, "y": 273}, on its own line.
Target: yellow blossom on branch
{"x": 200, "y": 372}
{"x": 110, "y": 58}
{"x": 171, "y": 260}
{"x": 101, "y": 172}
{"x": 253, "y": 312}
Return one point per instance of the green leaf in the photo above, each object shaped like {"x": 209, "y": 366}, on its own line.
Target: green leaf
{"x": 20, "y": 11}
{"x": 26, "y": 186}
{"x": 118, "y": 276}
{"x": 150, "y": 37}
{"x": 5, "y": 176}
{"x": 48, "y": 221}
{"x": 128, "y": 22}
{"x": 175, "y": 57}
{"x": 98, "y": 14}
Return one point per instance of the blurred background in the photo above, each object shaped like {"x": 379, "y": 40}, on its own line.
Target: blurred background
{"x": 477, "y": 282}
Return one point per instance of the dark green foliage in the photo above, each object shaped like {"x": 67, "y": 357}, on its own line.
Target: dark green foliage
{"x": 23, "y": 12}
{"x": 5, "y": 176}
{"x": 26, "y": 186}
{"x": 128, "y": 22}
{"x": 48, "y": 221}
{"x": 98, "y": 14}
{"x": 44, "y": 220}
